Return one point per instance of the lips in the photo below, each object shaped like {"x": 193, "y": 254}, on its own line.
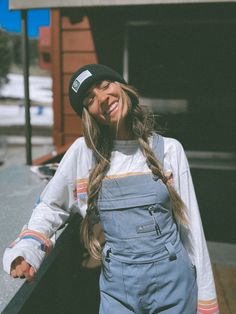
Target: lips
{"x": 112, "y": 107}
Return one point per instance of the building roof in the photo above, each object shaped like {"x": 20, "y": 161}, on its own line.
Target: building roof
{"x": 36, "y": 4}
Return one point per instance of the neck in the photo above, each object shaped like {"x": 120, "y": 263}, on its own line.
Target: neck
{"x": 124, "y": 136}
{"x": 123, "y": 132}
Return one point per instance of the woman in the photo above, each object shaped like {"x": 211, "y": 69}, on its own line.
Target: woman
{"x": 137, "y": 186}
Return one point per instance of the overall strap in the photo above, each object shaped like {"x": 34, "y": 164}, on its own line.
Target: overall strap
{"x": 158, "y": 147}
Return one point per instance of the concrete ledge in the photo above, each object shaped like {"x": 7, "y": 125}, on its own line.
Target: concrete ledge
{"x": 52, "y": 289}
{"x": 19, "y": 190}
{"x": 61, "y": 285}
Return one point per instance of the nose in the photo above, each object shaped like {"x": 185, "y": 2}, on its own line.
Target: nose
{"x": 102, "y": 96}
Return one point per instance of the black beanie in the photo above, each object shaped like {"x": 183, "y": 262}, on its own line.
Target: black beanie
{"x": 84, "y": 78}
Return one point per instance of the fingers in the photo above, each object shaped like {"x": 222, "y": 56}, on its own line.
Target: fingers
{"x": 17, "y": 262}
{"x": 30, "y": 276}
{"x": 21, "y": 269}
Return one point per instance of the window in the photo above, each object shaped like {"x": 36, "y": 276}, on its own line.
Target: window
{"x": 187, "y": 73}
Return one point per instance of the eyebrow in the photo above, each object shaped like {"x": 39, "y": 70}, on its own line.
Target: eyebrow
{"x": 87, "y": 93}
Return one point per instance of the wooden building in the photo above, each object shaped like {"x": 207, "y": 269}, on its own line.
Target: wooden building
{"x": 180, "y": 54}
{"x": 44, "y": 47}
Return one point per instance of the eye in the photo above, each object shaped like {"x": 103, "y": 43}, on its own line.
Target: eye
{"x": 105, "y": 85}
{"x": 88, "y": 100}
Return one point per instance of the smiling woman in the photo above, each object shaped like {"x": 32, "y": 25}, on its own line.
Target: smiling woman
{"x": 108, "y": 104}
{"x": 133, "y": 188}
{"x": 104, "y": 102}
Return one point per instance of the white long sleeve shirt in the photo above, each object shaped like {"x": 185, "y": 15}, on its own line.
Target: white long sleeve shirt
{"x": 69, "y": 187}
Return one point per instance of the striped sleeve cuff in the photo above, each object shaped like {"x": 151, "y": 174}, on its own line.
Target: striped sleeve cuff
{"x": 208, "y": 307}
{"x": 45, "y": 243}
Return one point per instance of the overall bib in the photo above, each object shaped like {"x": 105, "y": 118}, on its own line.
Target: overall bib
{"x": 145, "y": 268}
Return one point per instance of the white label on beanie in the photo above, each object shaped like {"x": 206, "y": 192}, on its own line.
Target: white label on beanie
{"x": 79, "y": 80}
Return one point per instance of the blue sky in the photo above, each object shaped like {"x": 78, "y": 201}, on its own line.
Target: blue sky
{"x": 10, "y": 20}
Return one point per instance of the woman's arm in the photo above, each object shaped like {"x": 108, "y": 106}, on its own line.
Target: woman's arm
{"x": 192, "y": 236}
{"x": 52, "y": 210}
{"x": 34, "y": 243}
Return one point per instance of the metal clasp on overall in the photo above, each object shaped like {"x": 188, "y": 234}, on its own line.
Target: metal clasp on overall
{"x": 151, "y": 210}
{"x": 107, "y": 257}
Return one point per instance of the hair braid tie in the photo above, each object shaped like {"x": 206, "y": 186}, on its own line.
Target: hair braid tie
{"x": 154, "y": 169}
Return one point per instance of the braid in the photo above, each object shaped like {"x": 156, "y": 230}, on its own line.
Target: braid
{"x": 179, "y": 208}
{"x": 98, "y": 140}
{"x": 143, "y": 128}
{"x": 94, "y": 185}
{"x": 152, "y": 162}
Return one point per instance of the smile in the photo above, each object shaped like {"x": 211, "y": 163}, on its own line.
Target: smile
{"x": 112, "y": 108}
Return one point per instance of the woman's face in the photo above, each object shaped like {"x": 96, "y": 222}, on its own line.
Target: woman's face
{"x": 104, "y": 102}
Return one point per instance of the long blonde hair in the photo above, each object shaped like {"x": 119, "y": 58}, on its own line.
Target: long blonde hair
{"x": 99, "y": 140}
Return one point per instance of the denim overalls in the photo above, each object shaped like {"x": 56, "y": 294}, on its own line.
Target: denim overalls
{"x": 145, "y": 268}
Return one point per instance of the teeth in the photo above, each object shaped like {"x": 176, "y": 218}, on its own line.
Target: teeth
{"x": 112, "y": 107}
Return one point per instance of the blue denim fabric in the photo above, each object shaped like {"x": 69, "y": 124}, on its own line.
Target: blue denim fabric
{"x": 145, "y": 268}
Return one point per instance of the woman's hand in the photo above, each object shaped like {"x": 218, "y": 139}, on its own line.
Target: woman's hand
{"x": 20, "y": 268}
